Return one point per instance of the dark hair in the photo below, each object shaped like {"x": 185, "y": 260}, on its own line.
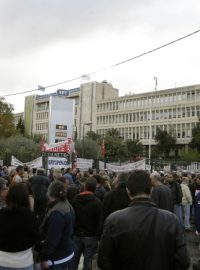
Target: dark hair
{"x": 26, "y": 168}
{"x": 91, "y": 184}
{"x": 19, "y": 168}
{"x": 139, "y": 182}
{"x": 57, "y": 190}
{"x": 63, "y": 179}
{"x": 122, "y": 177}
{"x": 40, "y": 171}
{"x": 34, "y": 170}
{"x": 28, "y": 187}
{"x": 98, "y": 178}
{"x": 90, "y": 171}
{"x": 17, "y": 196}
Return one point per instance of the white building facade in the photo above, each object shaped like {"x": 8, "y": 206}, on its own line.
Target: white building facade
{"x": 98, "y": 107}
{"x": 138, "y": 116}
{"x": 50, "y": 117}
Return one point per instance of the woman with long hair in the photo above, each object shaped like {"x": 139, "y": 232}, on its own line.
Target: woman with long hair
{"x": 57, "y": 250}
{"x": 18, "y": 230}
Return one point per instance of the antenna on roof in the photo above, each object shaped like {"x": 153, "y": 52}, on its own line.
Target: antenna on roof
{"x": 156, "y": 83}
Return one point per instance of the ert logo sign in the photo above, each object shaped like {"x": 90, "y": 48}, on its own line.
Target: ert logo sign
{"x": 62, "y": 92}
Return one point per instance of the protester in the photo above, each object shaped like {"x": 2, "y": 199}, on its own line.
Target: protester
{"x": 18, "y": 230}
{"x": 17, "y": 178}
{"x": 3, "y": 192}
{"x": 142, "y": 236}
{"x": 87, "y": 210}
{"x": 25, "y": 175}
{"x": 186, "y": 203}
{"x": 11, "y": 175}
{"x": 3, "y": 171}
{"x": 161, "y": 194}
{"x": 176, "y": 195}
{"x": 65, "y": 182}
{"x": 197, "y": 206}
{"x": 116, "y": 199}
{"x": 56, "y": 173}
{"x": 68, "y": 175}
{"x": 100, "y": 190}
{"x": 57, "y": 246}
{"x": 39, "y": 185}
{"x": 30, "y": 194}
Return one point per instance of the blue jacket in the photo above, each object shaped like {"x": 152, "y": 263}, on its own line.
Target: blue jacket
{"x": 57, "y": 229}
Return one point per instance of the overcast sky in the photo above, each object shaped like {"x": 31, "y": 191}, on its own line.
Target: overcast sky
{"x": 49, "y": 41}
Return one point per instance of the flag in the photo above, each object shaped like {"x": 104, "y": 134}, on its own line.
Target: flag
{"x": 103, "y": 148}
{"x": 42, "y": 146}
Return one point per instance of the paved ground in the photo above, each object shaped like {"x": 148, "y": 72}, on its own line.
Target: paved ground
{"x": 193, "y": 247}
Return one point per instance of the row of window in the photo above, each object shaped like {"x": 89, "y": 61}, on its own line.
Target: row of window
{"x": 42, "y": 106}
{"x": 178, "y": 130}
{"x": 42, "y": 115}
{"x": 183, "y": 112}
{"x": 41, "y": 126}
{"x": 147, "y": 101}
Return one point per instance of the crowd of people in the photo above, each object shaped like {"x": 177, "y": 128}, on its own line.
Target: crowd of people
{"x": 133, "y": 220}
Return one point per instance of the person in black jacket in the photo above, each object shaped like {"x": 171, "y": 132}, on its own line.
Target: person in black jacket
{"x": 87, "y": 209}
{"x": 57, "y": 229}
{"x": 176, "y": 195}
{"x": 115, "y": 199}
{"x": 161, "y": 194}
{"x": 39, "y": 185}
{"x": 18, "y": 230}
{"x": 142, "y": 236}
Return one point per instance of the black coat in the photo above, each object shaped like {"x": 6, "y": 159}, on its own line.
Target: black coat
{"x": 18, "y": 230}
{"x": 114, "y": 200}
{"x": 162, "y": 196}
{"x": 142, "y": 237}
{"x": 87, "y": 208}
{"x": 176, "y": 192}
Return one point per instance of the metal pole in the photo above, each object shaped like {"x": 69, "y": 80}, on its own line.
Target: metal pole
{"x": 150, "y": 128}
{"x": 83, "y": 140}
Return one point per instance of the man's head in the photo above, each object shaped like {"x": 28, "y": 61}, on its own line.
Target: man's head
{"x": 122, "y": 177}
{"x": 20, "y": 170}
{"x": 90, "y": 171}
{"x": 40, "y": 171}
{"x": 91, "y": 184}
{"x": 65, "y": 181}
{"x": 155, "y": 179}
{"x": 139, "y": 184}
{"x": 169, "y": 178}
{"x": 68, "y": 170}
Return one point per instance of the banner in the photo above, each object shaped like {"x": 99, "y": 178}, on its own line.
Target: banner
{"x": 56, "y": 162}
{"x": 139, "y": 165}
{"x": 60, "y": 147}
{"x": 84, "y": 164}
{"x": 36, "y": 163}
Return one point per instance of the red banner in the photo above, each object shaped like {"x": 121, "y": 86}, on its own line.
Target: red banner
{"x": 60, "y": 147}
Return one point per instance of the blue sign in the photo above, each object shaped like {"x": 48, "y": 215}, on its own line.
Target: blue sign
{"x": 63, "y": 92}
{"x": 60, "y": 92}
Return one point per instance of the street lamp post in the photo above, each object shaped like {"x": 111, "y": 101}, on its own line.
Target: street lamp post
{"x": 150, "y": 120}
{"x": 85, "y": 124}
